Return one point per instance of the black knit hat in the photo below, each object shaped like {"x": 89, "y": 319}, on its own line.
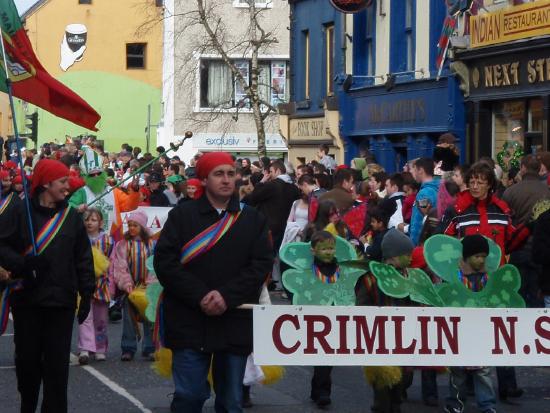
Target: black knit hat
{"x": 474, "y": 244}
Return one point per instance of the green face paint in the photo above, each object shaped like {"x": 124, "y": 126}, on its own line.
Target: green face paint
{"x": 324, "y": 251}
{"x": 477, "y": 262}
{"x": 96, "y": 183}
{"x": 404, "y": 261}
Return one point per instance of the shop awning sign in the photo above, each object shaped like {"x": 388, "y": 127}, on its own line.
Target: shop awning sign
{"x": 400, "y": 336}
{"x": 511, "y": 23}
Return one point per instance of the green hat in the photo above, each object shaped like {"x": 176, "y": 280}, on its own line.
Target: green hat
{"x": 175, "y": 179}
{"x": 91, "y": 162}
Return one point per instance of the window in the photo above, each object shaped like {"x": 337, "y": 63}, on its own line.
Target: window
{"x": 265, "y": 4}
{"x": 305, "y": 35}
{"x": 84, "y": 1}
{"x": 329, "y": 58}
{"x": 159, "y": 3}
{"x": 219, "y": 88}
{"x": 135, "y": 55}
{"x": 370, "y": 35}
{"x": 402, "y": 37}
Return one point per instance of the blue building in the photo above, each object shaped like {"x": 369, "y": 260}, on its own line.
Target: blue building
{"x": 390, "y": 101}
{"x": 318, "y": 50}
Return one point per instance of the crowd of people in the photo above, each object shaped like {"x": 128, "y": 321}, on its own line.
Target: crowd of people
{"x": 77, "y": 192}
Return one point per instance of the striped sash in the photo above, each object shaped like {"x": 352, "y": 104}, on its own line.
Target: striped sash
{"x": 209, "y": 237}
{"x": 194, "y": 248}
{"x": 48, "y": 232}
{"x": 105, "y": 244}
{"x": 5, "y": 202}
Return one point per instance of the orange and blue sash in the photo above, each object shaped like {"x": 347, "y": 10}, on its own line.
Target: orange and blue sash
{"x": 48, "y": 232}
{"x": 194, "y": 248}
{"x": 209, "y": 237}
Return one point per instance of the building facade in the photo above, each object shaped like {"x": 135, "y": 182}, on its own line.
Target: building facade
{"x": 392, "y": 101}
{"x": 110, "y": 53}
{"x": 201, "y": 95}
{"x": 319, "y": 50}
{"x": 505, "y": 66}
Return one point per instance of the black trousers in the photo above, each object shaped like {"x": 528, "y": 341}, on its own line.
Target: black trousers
{"x": 321, "y": 382}
{"x": 42, "y": 338}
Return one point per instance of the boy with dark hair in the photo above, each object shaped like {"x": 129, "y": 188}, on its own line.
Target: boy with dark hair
{"x": 379, "y": 227}
{"x": 473, "y": 275}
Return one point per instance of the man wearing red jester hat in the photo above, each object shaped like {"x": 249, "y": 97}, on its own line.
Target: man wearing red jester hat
{"x": 213, "y": 255}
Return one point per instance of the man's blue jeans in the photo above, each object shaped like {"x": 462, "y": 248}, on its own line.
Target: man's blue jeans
{"x": 483, "y": 388}
{"x": 190, "y": 372}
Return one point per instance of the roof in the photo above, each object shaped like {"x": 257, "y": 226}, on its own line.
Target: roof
{"x": 33, "y": 8}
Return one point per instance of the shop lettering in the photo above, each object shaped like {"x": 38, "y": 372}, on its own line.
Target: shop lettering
{"x": 371, "y": 335}
{"x": 308, "y": 128}
{"x": 486, "y": 29}
{"x": 222, "y": 141}
{"x": 538, "y": 70}
{"x": 406, "y": 110}
{"x": 501, "y": 75}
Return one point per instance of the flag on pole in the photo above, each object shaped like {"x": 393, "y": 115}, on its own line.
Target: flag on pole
{"x": 30, "y": 81}
{"x": 448, "y": 29}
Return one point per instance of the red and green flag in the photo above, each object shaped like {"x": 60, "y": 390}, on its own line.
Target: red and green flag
{"x": 449, "y": 26}
{"x": 30, "y": 81}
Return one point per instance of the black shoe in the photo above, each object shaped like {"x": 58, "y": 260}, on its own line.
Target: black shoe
{"x": 511, "y": 393}
{"x": 323, "y": 401}
{"x": 247, "y": 402}
{"x": 431, "y": 401}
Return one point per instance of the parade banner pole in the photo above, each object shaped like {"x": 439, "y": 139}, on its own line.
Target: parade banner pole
{"x": 173, "y": 147}
{"x": 18, "y": 145}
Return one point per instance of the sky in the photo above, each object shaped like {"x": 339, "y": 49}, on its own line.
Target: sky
{"x": 23, "y": 5}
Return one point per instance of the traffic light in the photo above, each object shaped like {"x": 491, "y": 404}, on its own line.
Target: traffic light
{"x": 32, "y": 126}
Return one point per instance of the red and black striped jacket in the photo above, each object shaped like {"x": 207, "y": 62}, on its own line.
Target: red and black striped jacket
{"x": 489, "y": 217}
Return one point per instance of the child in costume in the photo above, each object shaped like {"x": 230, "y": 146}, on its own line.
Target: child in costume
{"x": 473, "y": 275}
{"x": 325, "y": 268}
{"x": 128, "y": 264}
{"x": 92, "y": 333}
{"x": 389, "y": 383}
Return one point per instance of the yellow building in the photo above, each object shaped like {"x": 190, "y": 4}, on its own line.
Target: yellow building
{"x": 110, "y": 53}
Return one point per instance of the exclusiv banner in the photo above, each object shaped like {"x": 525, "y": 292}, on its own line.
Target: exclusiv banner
{"x": 400, "y": 336}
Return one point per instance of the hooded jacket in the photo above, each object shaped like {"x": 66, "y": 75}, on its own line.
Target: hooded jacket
{"x": 428, "y": 190}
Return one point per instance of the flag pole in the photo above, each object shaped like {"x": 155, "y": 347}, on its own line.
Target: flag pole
{"x": 18, "y": 145}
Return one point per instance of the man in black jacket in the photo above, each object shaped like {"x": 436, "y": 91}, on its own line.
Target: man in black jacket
{"x": 202, "y": 290}
{"x": 274, "y": 197}
{"x": 44, "y": 301}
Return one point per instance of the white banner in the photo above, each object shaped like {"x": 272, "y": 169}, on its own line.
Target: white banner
{"x": 400, "y": 336}
{"x": 156, "y": 217}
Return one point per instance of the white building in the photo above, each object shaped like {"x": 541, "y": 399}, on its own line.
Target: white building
{"x": 199, "y": 91}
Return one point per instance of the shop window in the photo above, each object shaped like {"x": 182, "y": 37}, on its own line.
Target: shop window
{"x": 305, "y": 39}
{"x": 329, "y": 59}
{"x": 84, "y": 1}
{"x": 518, "y": 121}
{"x": 135, "y": 55}
{"x": 402, "y": 36}
{"x": 219, "y": 88}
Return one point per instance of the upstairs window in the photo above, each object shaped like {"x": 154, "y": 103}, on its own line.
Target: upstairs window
{"x": 264, "y": 4}
{"x": 220, "y": 89}
{"x": 135, "y": 55}
{"x": 329, "y": 58}
{"x": 403, "y": 37}
{"x": 84, "y": 1}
